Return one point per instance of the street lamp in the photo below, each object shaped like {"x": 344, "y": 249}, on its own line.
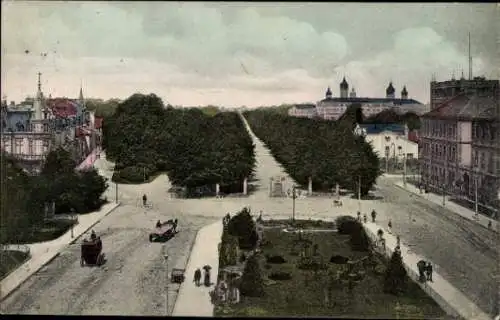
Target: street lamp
{"x": 165, "y": 257}
{"x": 294, "y": 195}
{"x": 360, "y": 133}
{"x": 72, "y": 222}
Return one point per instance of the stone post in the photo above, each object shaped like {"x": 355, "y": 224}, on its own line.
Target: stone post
{"x": 245, "y": 186}
{"x": 217, "y": 189}
{"x": 310, "y": 186}
{"x": 271, "y": 187}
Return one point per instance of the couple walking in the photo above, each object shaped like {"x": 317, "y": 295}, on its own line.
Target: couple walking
{"x": 206, "y": 276}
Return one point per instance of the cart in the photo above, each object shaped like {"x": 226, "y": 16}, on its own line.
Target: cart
{"x": 163, "y": 232}
{"x": 91, "y": 252}
{"x": 177, "y": 275}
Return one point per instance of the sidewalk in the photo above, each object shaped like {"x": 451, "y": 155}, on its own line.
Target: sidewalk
{"x": 44, "y": 252}
{"x": 192, "y": 300}
{"x": 452, "y": 301}
{"x": 437, "y": 199}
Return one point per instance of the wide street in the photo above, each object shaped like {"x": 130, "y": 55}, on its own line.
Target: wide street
{"x": 464, "y": 252}
{"x": 132, "y": 282}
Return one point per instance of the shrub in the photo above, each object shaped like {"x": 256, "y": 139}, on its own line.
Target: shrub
{"x": 242, "y": 226}
{"x": 346, "y": 224}
{"x": 380, "y": 233}
{"x": 339, "y": 259}
{"x": 133, "y": 174}
{"x": 396, "y": 278}
{"x": 359, "y": 239}
{"x": 242, "y": 257}
{"x": 280, "y": 275}
{"x": 252, "y": 284}
{"x": 275, "y": 259}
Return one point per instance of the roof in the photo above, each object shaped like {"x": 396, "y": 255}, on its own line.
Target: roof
{"x": 98, "y": 122}
{"x": 376, "y": 128}
{"x": 465, "y": 107}
{"x": 413, "y": 136}
{"x": 63, "y": 107}
{"x": 373, "y": 100}
{"x": 305, "y": 106}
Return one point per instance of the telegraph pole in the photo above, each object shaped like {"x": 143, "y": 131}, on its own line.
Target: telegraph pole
{"x": 294, "y": 196}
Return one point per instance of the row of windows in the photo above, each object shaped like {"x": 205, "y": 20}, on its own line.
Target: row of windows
{"x": 485, "y": 161}
{"x": 441, "y": 129}
{"x": 439, "y": 151}
{"x": 484, "y": 132}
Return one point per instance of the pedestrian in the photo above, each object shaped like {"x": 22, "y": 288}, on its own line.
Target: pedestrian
{"x": 428, "y": 271}
{"x": 359, "y": 216}
{"x": 260, "y": 216}
{"x": 398, "y": 240}
{"x": 489, "y": 224}
{"x": 389, "y": 226}
{"x": 207, "y": 277}
{"x": 144, "y": 200}
{"x": 374, "y": 214}
{"x": 93, "y": 235}
{"x": 365, "y": 219}
{"x": 197, "y": 277}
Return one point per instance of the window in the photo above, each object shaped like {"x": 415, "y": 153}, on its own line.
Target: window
{"x": 45, "y": 146}
{"x": 483, "y": 160}
{"x": 409, "y": 156}
{"x": 474, "y": 158}
{"x": 18, "y": 145}
{"x": 30, "y": 146}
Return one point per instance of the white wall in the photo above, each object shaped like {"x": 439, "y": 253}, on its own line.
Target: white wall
{"x": 465, "y": 136}
{"x": 379, "y": 144}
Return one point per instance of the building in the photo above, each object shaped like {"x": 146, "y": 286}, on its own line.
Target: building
{"x": 30, "y": 130}
{"x": 303, "y": 111}
{"x": 460, "y": 140}
{"x": 332, "y": 108}
{"x": 445, "y": 90}
{"x": 390, "y": 141}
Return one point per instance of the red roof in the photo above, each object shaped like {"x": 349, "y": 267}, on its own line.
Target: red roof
{"x": 98, "y": 123}
{"x": 62, "y": 107}
{"x": 413, "y": 136}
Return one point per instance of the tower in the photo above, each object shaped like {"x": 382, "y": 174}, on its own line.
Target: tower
{"x": 404, "y": 93}
{"x": 344, "y": 89}
{"x": 389, "y": 92}
{"x": 328, "y": 93}
{"x": 353, "y": 93}
{"x": 37, "y": 104}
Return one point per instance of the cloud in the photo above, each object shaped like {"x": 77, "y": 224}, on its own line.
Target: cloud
{"x": 287, "y": 51}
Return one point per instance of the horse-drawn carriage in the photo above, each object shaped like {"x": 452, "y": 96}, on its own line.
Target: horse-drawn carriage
{"x": 163, "y": 231}
{"x": 92, "y": 252}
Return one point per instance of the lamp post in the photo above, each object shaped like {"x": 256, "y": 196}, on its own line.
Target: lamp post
{"x": 72, "y": 222}
{"x": 165, "y": 257}
{"x": 476, "y": 205}
{"x": 404, "y": 168}
{"x": 359, "y": 133}
{"x": 294, "y": 196}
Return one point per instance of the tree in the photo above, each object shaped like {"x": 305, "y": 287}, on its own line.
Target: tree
{"x": 252, "y": 284}
{"x": 242, "y": 226}
{"x": 328, "y": 151}
{"x": 396, "y": 278}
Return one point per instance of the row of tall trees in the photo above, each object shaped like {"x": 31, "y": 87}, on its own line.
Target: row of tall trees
{"x": 196, "y": 148}
{"x": 23, "y": 197}
{"x": 327, "y": 151}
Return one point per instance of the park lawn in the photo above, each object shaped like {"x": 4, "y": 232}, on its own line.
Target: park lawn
{"x": 303, "y": 295}
{"x": 10, "y": 260}
{"x": 47, "y": 231}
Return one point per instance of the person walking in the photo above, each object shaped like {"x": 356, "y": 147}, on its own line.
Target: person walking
{"x": 144, "y": 200}
{"x": 358, "y": 216}
{"x": 207, "y": 277}
{"x": 365, "y": 219}
{"x": 389, "y": 226}
{"x": 374, "y": 215}
{"x": 428, "y": 271}
{"x": 197, "y": 277}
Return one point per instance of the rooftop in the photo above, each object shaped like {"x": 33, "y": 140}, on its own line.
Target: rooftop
{"x": 372, "y": 100}
{"x": 465, "y": 107}
{"x": 376, "y": 128}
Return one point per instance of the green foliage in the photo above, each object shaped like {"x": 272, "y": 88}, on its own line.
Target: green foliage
{"x": 352, "y": 115}
{"x": 396, "y": 278}
{"x": 196, "y": 147}
{"x": 345, "y": 224}
{"x": 411, "y": 119}
{"x": 252, "y": 284}
{"x": 359, "y": 239}
{"x": 228, "y": 252}
{"x": 280, "y": 275}
{"x": 275, "y": 259}
{"x": 132, "y": 174}
{"x": 243, "y": 227}
{"x": 327, "y": 151}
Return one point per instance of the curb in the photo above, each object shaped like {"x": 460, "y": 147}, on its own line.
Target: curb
{"x": 53, "y": 257}
{"x": 449, "y": 209}
{"x": 93, "y": 224}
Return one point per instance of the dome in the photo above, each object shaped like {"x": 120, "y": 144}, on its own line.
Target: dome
{"x": 404, "y": 92}
{"x": 328, "y": 92}
{"x": 344, "y": 84}
{"x": 390, "y": 89}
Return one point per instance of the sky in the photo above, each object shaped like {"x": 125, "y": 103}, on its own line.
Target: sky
{"x": 241, "y": 53}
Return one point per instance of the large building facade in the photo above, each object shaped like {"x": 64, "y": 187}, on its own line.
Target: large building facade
{"x": 460, "y": 142}
{"x": 31, "y": 129}
{"x": 332, "y": 108}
